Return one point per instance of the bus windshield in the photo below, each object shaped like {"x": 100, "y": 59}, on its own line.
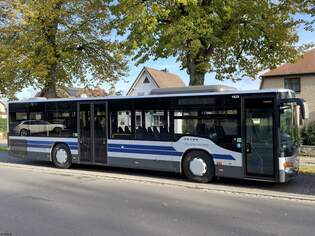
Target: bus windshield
{"x": 289, "y": 130}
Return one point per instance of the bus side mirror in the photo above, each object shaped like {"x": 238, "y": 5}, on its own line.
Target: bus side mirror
{"x": 306, "y": 114}
{"x": 301, "y": 103}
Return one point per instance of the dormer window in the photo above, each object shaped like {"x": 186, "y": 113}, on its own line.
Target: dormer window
{"x": 146, "y": 80}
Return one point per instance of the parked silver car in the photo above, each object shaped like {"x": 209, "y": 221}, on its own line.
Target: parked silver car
{"x": 28, "y": 127}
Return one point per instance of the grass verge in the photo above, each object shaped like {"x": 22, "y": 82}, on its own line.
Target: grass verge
{"x": 309, "y": 170}
{"x": 3, "y": 149}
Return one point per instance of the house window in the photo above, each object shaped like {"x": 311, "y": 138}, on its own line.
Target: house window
{"x": 293, "y": 84}
{"x": 146, "y": 80}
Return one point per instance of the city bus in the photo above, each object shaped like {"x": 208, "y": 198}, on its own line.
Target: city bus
{"x": 200, "y": 132}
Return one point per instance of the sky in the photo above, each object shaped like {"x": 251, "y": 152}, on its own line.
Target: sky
{"x": 174, "y": 67}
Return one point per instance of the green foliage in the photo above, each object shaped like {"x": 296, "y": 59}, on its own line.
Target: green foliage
{"x": 233, "y": 38}
{"x": 308, "y": 134}
{"x": 3, "y": 125}
{"x": 54, "y": 43}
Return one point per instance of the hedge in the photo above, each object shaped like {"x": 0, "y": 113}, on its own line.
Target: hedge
{"x": 308, "y": 134}
{"x": 3, "y": 125}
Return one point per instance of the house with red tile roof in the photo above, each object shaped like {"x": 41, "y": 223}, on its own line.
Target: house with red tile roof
{"x": 298, "y": 76}
{"x": 72, "y": 92}
{"x": 150, "y": 78}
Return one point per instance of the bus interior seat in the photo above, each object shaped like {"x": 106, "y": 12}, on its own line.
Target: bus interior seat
{"x": 201, "y": 129}
{"x": 219, "y": 131}
{"x": 120, "y": 130}
{"x": 127, "y": 130}
{"x": 163, "y": 133}
{"x": 140, "y": 133}
{"x": 156, "y": 133}
{"x": 155, "y": 130}
{"x": 150, "y": 133}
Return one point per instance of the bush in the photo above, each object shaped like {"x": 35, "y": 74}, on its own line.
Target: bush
{"x": 308, "y": 134}
{"x": 3, "y": 125}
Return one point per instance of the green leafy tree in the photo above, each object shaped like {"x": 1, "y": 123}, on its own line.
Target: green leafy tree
{"x": 232, "y": 38}
{"x": 54, "y": 43}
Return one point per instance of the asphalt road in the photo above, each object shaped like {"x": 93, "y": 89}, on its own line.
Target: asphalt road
{"x": 37, "y": 202}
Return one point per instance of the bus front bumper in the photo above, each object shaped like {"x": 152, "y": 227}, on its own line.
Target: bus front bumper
{"x": 288, "y": 168}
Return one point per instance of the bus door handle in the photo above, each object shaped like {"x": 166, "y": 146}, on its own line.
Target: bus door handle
{"x": 248, "y": 148}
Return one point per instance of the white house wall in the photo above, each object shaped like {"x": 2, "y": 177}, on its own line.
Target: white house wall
{"x": 140, "y": 88}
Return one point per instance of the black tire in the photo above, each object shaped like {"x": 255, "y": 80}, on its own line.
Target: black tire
{"x": 207, "y": 162}
{"x": 64, "y": 149}
{"x": 24, "y": 132}
{"x": 57, "y": 130}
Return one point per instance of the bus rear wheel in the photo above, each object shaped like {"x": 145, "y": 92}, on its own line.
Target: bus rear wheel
{"x": 61, "y": 156}
{"x": 198, "y": 166}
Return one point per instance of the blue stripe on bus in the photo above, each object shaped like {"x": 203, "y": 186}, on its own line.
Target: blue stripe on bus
{"x": 223, "y": 157}
{"x": 134, "y": 146}
{"x": 128, "y": 148}
{"x": 160, "y": 150}
{"x": 48, "y": 142}
{"x": 145, "y": 151}
{"x": 49, "y": 146}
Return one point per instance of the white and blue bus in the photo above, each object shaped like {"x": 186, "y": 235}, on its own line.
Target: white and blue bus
{"x": 201, "y": 132}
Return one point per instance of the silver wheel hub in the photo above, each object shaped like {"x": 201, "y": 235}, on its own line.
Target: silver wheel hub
{"x": 197, "y": 166}
{"x": 61, "y": 156}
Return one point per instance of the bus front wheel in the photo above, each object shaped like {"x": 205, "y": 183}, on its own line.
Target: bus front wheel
{"x": 198, "y": 166}
{"x": 61, "y": 156}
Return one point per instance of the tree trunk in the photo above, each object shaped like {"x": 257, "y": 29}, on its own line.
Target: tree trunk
{"x": 50, "y": 87}
{"x": 51, "y": 80}
{"x": 196, "y": 77}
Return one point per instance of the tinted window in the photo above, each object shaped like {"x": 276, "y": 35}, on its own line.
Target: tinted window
{"x": 23, "y": 116}
{"x": 217, "y": 118}
{"x": 152, "y": 119}
{"x": 61, "y": 119}
{"x": 43, "y": 119}
{"x": 20, "y": 116}
{"x": 121, "y": 124}
{"x": 152, "y": 125}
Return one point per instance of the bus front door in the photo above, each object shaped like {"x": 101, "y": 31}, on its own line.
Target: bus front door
{"x": 259, "y": 137}
{"x": 92, "y": 132}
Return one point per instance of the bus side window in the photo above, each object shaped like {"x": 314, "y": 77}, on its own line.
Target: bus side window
{"x": 120, "y": 124}
{"x": 152, "y": 125}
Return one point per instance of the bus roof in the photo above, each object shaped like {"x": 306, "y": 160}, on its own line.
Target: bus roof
{"x": 236, "y": 92}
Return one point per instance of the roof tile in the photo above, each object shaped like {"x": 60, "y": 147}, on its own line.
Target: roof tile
{"x": 165, "y": 79}
{"x": 304, "y": 65}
